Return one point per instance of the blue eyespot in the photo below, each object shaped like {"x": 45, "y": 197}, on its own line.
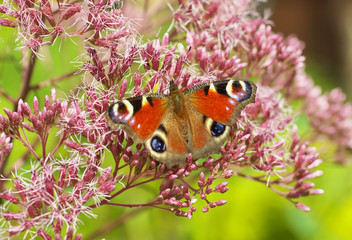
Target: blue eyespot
{"x": 217, "y": 129}
{"x": 118, "y": 113}
{"x": 157, "y": 144}
{"x": 112, "y": 114}
{"x": 242, "y": 92}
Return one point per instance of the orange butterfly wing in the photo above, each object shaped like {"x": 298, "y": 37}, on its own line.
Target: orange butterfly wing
{"x": 138, "y": 116}
{"x": 223, "y": 100}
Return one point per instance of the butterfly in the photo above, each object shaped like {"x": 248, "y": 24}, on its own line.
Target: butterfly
{"x": 195, "y": 121}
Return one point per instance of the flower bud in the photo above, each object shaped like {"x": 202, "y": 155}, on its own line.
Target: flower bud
{"x": 41, "y": 233}
{"x": 220, "y": 202}
{"x": 35, "y": 105}
{"x": 302, "y": 207}
{"x": 75, "y": 8}
{"x": 205, "y": 209}
{"x": 10, "y": 198}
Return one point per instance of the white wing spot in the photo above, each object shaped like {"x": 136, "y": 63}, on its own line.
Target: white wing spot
{"x": 243, "y": 84}
{"x": 144, "y": 101}
{"x": 212, "y": 88}
{"x": 132, "y": 121}
{"x": 129, "y": 109}
{"x": 229, "y": 90}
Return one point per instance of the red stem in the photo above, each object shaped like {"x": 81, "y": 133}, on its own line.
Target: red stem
{"x": 27, "y": 73}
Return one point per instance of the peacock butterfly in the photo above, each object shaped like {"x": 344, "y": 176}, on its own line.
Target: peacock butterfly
{"x": 195, "y": 121}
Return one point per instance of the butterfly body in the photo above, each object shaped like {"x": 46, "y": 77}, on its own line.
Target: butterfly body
{"x": 195, "y": 121}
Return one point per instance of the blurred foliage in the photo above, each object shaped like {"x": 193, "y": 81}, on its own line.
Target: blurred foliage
{"x": 252, "y": 212}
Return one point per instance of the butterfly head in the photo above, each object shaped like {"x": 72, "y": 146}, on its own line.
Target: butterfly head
{"x": 173, "y": 87}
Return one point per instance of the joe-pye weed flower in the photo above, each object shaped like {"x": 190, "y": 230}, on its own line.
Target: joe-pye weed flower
{"x": 45, "y": 192}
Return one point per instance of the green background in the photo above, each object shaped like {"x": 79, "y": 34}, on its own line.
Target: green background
{"x": 253, "y": 211}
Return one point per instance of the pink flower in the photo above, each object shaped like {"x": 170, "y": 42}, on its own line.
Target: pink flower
{"x": 5, "y": 147}
{"x": 79, "y": 163}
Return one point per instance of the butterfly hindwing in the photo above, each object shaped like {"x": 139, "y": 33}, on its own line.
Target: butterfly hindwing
{"x": 168, "y": 143}
{"x": 206, "y": 135}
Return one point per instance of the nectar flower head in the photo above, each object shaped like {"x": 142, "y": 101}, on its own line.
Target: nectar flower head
{"x": 79, "y": 163}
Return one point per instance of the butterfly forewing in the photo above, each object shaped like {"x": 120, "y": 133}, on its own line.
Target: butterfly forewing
{"x": 223, "y": 100}
{"x": 138, "y": 116}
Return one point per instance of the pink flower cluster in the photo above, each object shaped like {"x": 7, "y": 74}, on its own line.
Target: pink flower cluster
{"x": 46, "y": 199}
{"x": 273, "y": 60}
{"x": 41, "y": 22}
{"x": 211, "y": 41}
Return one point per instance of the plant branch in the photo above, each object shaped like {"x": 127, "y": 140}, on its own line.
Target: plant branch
{"x": 112, "y": 225}
{"x": 53, "y": 80}
{"x": 150, "y": 204}
{"x": 27, "y": 72}
{"x": 7, "y": 96}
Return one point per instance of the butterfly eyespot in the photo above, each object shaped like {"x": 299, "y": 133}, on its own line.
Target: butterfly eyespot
{"x": 239, "y": 90}
{"x": 114, "y": 113}
{"x": 157, "y": 144}
{"x": 121, "y": 112}
{"x": 217, "y": 129}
